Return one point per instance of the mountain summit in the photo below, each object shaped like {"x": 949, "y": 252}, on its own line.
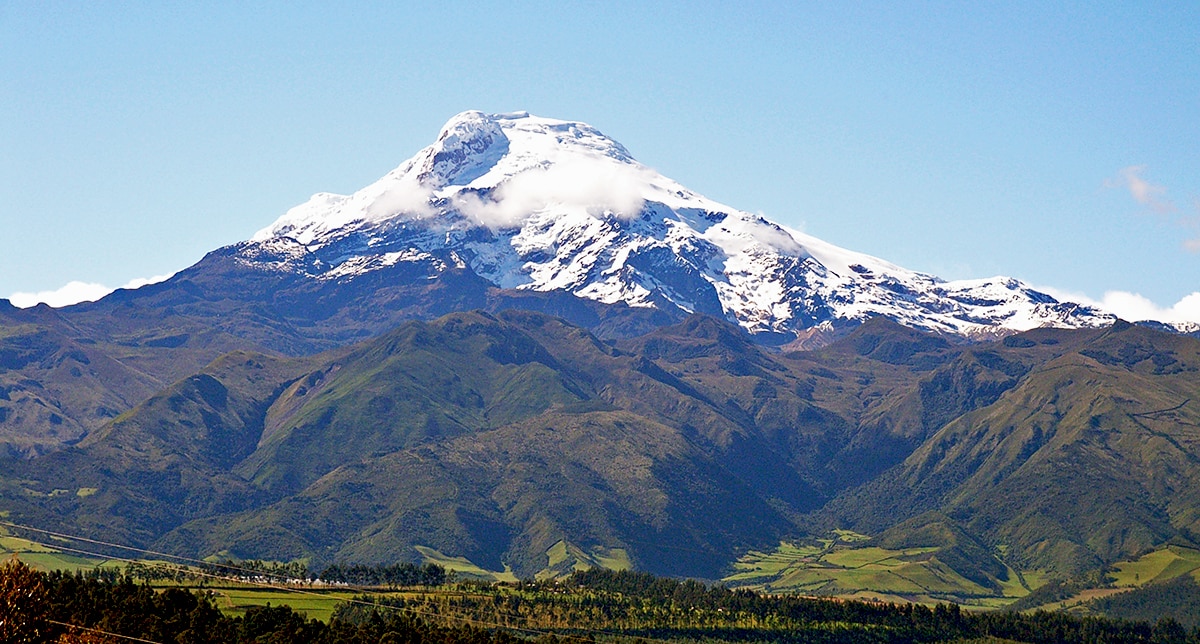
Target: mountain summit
{"x": 540, "y": 204}
{"x": 485, "y": 354}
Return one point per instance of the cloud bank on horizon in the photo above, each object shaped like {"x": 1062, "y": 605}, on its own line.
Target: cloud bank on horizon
{"x": 1133, "y": 307}
{"x": 75, "y": 292}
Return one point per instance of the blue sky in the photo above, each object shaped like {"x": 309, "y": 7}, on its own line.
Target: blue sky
{"x": 1058, "y": 143}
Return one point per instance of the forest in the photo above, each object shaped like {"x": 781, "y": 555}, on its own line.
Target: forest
{"x": 588, "y": 606}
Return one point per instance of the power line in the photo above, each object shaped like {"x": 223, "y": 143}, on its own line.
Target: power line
{"x": 292, "y": 589}
{"x": 108, "y": 633}
{"x": 72, "y": 537}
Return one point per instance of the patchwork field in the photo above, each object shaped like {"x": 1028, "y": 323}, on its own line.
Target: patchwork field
{"x": 841, "y": 565}
{"x": 317, "y": 604}
{"x": 463, "y": 567}
{"x": 42, "y": 557}
{"x": 1158, "y": 566}
{"x": 231, "y": 598}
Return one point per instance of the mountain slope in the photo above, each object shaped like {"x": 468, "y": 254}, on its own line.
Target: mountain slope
{"x": 162, "y": 463}
{"x": 415, "y": 385}
{"x": 494, "y": 437}
{"x": 521, "y": 341}
{"x": 503, "y": 437}
{"x": 1091, "y": 458}
{"x": 545, "y": 205}
{"x": 502, "y": 211}
{"x": 603, "y": 481}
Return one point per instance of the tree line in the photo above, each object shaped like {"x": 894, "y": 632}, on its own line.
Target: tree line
{"x": 633, "y": 604}
{"x": 59, "y": 608}
{"x": 393, "y": 576}
{"x": 38, "y": 607}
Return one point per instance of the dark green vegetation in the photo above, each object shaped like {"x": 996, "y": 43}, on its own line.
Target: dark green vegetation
{"x": 1089, "y": 457}
{"x": 585, "y": 607}
{"x": 65, "y": 373}
{"x": 213, "y": 416}
{"x": 1178, "y": 599}
{"x": 493, "y": 438}
{"x": 38, "y": 608}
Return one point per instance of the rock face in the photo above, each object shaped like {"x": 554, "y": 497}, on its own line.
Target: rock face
{"x": 539, "y": 204}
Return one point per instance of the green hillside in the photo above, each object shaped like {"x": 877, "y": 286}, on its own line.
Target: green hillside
{"x": 519, "y": 444}
{"x": 1091, "y": 458}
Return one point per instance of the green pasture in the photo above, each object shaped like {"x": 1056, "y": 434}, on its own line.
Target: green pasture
{"x": 563, "y": 558}
{"x": 1161, "y": 565}
{"x": 464, "y": 567}
{"x": 232, "y": 599}
{"x": 843, "y": 565}
{"x": 236, "y": 599}
{"x": 42, "y": 557}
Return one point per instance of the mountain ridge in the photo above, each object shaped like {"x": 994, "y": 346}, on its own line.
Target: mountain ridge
{"x": 495, "y": 437}
{"x": 521, "y": 341}
{"x": 490, "y": 194}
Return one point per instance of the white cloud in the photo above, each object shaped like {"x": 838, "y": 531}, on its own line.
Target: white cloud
{"x": 75, "y": 292}
{"x": 1135, "y": 307}
{"x": 1153, "y": 196}
{"x": 139, "y": 282}
{"x": 1142, "y": 191}
{"x": 406, "y": 196}
{"x": 602, "y": 187}
{"x": 1192, "y": 224}
{"x": 70, "y": 293}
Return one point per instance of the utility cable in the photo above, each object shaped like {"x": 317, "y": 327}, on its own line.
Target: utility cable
{"x": 286, "y": 588}
{"x": 96, "y": 630}
{"x": 199, "y": 562}
{"x": 301, "y": 591}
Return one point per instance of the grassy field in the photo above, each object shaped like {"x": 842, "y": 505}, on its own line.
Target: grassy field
{"x": 842, "y": 565}
{"x": 1075, "y": 603}
{"x": 43, "y": 557}
{"x": 235, "y": 599}
{"x": 464, "y": 567}
{"x": 1152, "y": 569}
{"x": 564, "y": 558}
{"x": 317, "y": 602}
{"x": 232, "y": 598}
{"x": 1160, "y": 565}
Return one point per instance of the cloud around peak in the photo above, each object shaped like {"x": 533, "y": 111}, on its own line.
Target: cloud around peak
{"x": 600, "y": 186}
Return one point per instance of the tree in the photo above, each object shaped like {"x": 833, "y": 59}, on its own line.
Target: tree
{"x": 79, "y": 636}
{"x": 23, "y": 603}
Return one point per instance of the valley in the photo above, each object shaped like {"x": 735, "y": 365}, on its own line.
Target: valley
{"x": 574, "y": 416}
{"x": 667, "y": 386}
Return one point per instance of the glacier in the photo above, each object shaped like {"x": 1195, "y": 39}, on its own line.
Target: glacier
{"x": 542, "y": 204}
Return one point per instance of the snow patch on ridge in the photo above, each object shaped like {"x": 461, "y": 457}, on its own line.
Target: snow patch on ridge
{"x": 363, "y": 264}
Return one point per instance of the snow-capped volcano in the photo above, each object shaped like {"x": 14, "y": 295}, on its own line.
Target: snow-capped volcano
{"x": 542, "y": 204}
